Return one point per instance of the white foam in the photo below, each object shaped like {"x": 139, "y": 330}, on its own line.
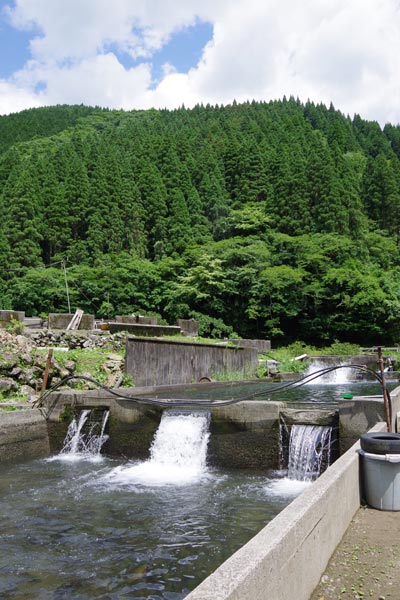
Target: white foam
{"x": 340, "y": 376}
{"x": 77, "y": 457}
{"x": 154, "y": 474}
{"x": 286, "y": 487}
{"x": 177, "y": 454}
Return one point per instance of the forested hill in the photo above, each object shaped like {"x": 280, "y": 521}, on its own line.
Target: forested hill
{"x": 268, "y": 219}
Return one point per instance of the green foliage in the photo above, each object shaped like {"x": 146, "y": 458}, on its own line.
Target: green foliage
{"x": 15, "y": 326}
{"x": 343, "y": 349}
{"x": 286, "y": 354}
{"x": 212, "y": 328}
{"x": 269, "y": 219}
{"x": 127, "y": 381}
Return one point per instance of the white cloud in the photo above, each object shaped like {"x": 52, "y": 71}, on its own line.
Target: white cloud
{"x": 344, "y": 51}
{"x": 14, "y": 98}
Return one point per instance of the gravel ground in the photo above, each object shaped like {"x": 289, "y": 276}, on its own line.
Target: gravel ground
{"x": 366, "y": 563}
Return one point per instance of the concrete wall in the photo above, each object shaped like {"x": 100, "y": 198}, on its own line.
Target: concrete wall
{"x": 243, "y": 435}
{"x": 261, "y": 345}
{"x": 62, "y": 320}
{"x": 189, "y": 327}
{"x": 7, "y": 315}
{"x": 23, "y": 435}
{"x": 287, "y": 558}
{"x": 140, "y": 329}
{"x": 358, "y": 415}
{"x": 160, "y": 362}
{"x": 132, "y": 319}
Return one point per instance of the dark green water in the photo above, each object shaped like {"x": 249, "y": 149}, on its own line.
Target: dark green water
{"x": 69, "y": 532}
{"x": 83, "y": 530}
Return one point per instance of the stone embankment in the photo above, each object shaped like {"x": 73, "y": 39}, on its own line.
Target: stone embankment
{"x": 23, "y": 362}
{"x": 76, "y": 339}
{"x": 22, "y": 367}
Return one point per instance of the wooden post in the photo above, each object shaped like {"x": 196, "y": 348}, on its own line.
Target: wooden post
{"x": 385, "y": 397}
{"x": 46, "y": 371}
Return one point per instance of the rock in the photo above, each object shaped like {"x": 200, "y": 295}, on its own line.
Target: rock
{"x": 7, "y": 385}
{"x": 27, "y": 359}
{"x": 32, "y": 376}
{"x": 115, "y": 357}
{"x": 8, "y": 361}
{"x": 16, "y": 372}
{"x": 112, "y": 365}
{"x": 70, "y": 365}
{"x": 29, "y": 392}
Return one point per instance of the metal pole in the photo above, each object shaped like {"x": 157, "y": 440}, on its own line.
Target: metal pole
{"x": 385, "y": 398}
{"x": 66, "y": 284}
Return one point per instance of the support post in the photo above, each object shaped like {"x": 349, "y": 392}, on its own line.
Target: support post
{"x": 66, "y": 284}
{"x": 385, "y": 396}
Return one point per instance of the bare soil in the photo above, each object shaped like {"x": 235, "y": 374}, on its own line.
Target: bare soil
{"x": 366, "y": 564}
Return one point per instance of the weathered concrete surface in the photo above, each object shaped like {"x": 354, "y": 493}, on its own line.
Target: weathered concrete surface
{"x": 261, "y": 345}
{"x": 309, "y": 416}
{"x": 134, "y": 319}
{"x": 189, "y": 327}
{"x": 161, "y": 362}
{"x": 358, "y": 415}
{"x": 23, "y": 435}
{"x": 286, "y": 559}
{"x": 245, "y": 435}
{"x": 366, "y": 563}
{"x": 140, "y": 329}
{"x": 62, "y": 320}
{"x": 6, "y": 316}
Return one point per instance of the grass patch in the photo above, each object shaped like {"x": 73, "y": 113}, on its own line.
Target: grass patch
{"x": 285, "y": 355}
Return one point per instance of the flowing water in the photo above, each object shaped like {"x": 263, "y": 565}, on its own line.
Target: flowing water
{"x": 79, "y": 443}
{"x": 81, "y": 530}
{"x": 340, "y": 376}
{"x": 309, "y": 451}
{"x": 177, "y": 455}
{"x": 81, "y": 526}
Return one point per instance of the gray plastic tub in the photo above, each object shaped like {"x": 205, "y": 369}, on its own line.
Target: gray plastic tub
{"x": 381, "y": 480}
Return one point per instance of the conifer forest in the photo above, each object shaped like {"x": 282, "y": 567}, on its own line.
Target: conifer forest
{"x": 272, "y": 220}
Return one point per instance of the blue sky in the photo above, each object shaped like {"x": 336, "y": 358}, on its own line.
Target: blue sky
{"x": 135, "y": 54}
{"x": 183, "y": 51}
{"x": 14, "y": 48}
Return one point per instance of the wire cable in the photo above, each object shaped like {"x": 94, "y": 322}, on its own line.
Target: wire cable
{"x": 199, "y": 403}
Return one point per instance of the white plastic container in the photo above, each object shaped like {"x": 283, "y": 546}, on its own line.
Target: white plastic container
{"x": 381, "y": 480}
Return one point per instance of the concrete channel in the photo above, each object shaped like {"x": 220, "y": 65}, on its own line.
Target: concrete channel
{"x": 286, "y": 559}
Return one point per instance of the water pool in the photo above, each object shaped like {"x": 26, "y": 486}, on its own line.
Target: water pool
{"x": 74, "y": 530}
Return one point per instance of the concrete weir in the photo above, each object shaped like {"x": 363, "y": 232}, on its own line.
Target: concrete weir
{"x": 23, "y": 435}
{"x": 286, "y": 559}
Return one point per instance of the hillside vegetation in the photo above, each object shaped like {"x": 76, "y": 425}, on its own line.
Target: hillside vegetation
{"x": 265, "y": 219}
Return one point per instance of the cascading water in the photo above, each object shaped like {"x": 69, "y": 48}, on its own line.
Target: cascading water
{"x": 336, "y": 377}
{"x": 309, "y": 451}
{"x": 178, "y": 452}
{"x": 78, "y": 444}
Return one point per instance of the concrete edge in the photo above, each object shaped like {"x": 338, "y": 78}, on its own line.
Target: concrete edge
{"x": 23, "y": 435}
{"x": 287, "y": 558}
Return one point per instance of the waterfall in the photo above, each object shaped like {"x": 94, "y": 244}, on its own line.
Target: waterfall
{"x": 335, "y": 377}
{"x": 177, "y": 455}
{"x": 309, "y": 451}
{"x": 80, "y": 444}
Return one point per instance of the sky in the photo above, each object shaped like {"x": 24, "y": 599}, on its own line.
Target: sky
{"x": 138, "y": 54}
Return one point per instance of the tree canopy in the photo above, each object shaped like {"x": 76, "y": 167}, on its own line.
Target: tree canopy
{"x": 276, "y": 219}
